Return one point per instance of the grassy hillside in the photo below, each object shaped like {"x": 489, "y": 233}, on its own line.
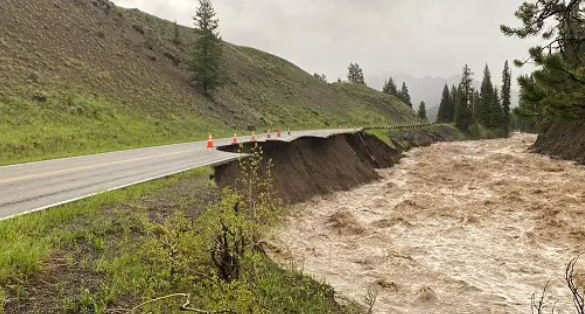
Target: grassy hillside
{"x": 82, "y": 76}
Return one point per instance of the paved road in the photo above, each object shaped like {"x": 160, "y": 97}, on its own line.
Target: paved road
{"x": 35, "y": 186}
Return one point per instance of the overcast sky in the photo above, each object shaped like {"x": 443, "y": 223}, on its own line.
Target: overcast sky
{"x": 419, "y": 37}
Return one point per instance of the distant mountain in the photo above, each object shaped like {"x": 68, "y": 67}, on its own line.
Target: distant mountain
{"x": 426, "y": 88}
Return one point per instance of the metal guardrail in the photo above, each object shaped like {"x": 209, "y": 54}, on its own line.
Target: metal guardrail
{"x": 399, "y": 127}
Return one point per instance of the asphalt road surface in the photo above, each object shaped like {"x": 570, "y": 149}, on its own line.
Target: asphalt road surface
{"x": 35, "y": 186}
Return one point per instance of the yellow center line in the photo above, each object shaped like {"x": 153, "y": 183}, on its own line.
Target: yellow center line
{"x": 57, "y": 172}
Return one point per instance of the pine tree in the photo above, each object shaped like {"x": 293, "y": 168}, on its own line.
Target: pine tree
{"x": 351, "y": 73}
{"x": 506, "y": 97}
{"x": 454, "y": 101}
{"x": 360, "y": 75}
{"x": 321, "y": 77}
{"x": 463, "y": 114}
{"x": 445, "y": 114}
{"x": 390, "y": 87}
{"x": 207, "y": 63}
{"x": 476, "y": 103}
{"x": 422, "y": 111}
{"x": 177, "y": 34}
{"x": 355, "y": 74}
{"x": 405, "y": 95}
{"x": 495, "y": 111}
{"x": 556, "y": 89}
{"x": 486, "y": 95}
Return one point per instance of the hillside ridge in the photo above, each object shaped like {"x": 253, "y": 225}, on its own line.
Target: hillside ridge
{"x": 85, "y": 76}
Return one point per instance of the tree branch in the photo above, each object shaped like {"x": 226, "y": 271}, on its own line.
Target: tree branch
{"x": 184, "y": 307}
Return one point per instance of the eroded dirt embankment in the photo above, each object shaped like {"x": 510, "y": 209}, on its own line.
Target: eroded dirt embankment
{"x": 460, "y": 227}
{"x": 562, "y": 141}
{"x": 310, "y": 166}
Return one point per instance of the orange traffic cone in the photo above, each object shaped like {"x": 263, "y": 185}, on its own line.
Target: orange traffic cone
{"x": 278, "y": 133}
{"x": 253, "y": 137}
{"x": 235, "y": 140}
{"x": 209, "y": 141}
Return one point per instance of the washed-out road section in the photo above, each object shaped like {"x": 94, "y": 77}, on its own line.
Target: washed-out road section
{"x": 35, "y": 186}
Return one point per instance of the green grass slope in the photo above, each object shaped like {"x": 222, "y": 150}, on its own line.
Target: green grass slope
{"x": 81, "y": 76}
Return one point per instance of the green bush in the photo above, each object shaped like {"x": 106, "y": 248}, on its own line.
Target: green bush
{"x": 478, "y": 131}
{"x": 215, "y": 262}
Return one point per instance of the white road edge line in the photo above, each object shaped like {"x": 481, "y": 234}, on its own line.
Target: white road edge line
{"x": 97, "y": 154}
{"x": 114, "y": 152}
{"x": 152, "y": 178}
{"x": 216, "y": 162}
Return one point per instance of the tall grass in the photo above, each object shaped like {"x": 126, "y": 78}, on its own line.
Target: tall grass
{"x": 28, "y": 240}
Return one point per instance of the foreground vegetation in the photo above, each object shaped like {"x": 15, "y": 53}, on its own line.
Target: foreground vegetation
{"x": 555, "y": 91}
{"x": 159, "y": 247}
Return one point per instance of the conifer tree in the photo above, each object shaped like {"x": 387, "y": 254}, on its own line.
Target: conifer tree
{"x": 351, "y": 73}
{"x": 360, "y": 75}
{"x": 422, "y": 111}
{"x": 445, "y": 114}
{"x": 207, "y": 62}
{"x": 476, "y": 103}
{"x": 454, "y": 100}
{"x": 177, "y": 34}
{"x": 321, "y": 77}
{"x": 405, "y": 95}
{"x": 463, "y": 114}
{"x": 355, "y": 74}
{"x": 495, "y": 112}
{"x": 506, "y": 97}
{"x": 555, "y": 91}
{"x": 390, "y": 87}
{"x": 486, "y": 95}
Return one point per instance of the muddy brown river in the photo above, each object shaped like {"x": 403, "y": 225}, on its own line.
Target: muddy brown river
{"x": 461, "y": 227}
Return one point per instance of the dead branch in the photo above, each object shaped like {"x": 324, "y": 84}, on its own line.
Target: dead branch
{"x": 538, "y": 306}
{"x": 578, "y": 300}
{"x": 184, "y": 307}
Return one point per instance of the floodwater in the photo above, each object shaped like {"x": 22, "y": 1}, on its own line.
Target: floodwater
{"x": 461, "y": 227}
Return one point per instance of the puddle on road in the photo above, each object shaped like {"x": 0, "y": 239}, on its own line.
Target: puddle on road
{"x": 463, "y": 227}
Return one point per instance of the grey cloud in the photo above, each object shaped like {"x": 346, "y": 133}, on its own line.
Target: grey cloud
{"x": 421, "y": 37}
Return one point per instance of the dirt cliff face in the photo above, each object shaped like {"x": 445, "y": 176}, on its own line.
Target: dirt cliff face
{"x": 562, "y": 141}
{"x": 309, "y": 167}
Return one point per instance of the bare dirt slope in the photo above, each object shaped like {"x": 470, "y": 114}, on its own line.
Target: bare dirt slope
{"x": 459, "y": 227}
{"x": 310, "y": 166}
{"x": 562, "y": 140}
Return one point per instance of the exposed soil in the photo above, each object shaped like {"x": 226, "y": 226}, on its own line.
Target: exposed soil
{"x": 373, "y": 152}
{"x": 562, "y": 140}
{"x": 308, "y": 167}
{"x": 459, "y": 227}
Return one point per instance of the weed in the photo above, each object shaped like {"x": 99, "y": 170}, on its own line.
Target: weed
{"x": 3, "y": 300}
{"x": 117, "y": 250}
